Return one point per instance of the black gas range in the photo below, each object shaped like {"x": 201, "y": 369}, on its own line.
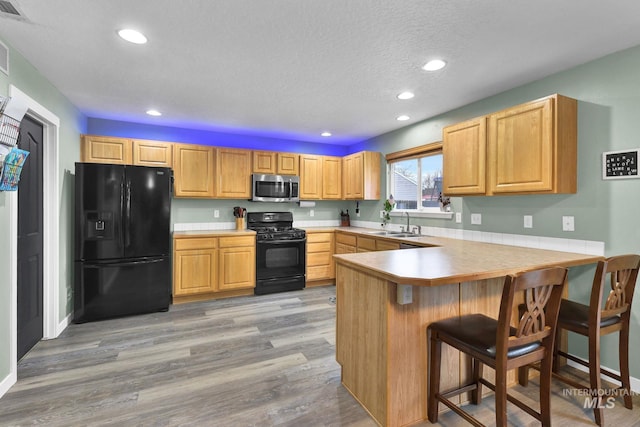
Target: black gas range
{"x": 280, "y": 252}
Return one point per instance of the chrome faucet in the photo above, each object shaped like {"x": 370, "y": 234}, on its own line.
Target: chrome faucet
{"x": 407, "y": 229}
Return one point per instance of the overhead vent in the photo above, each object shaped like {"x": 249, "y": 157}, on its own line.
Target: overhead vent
{"x": 7, "y": 7}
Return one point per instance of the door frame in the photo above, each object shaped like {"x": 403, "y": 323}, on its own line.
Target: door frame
{"x": 52, "y": 327}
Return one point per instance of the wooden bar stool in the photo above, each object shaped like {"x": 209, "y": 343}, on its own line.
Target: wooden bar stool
{"x": 594, "y": 321}
{"x": 496, "y": 344}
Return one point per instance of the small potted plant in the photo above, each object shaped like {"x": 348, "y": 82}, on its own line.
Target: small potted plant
{"x": 445, "y": 203}
{"x": 389, "y": 204}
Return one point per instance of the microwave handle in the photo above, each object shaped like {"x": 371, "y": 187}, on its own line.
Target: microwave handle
{"x": 290, "y": 188}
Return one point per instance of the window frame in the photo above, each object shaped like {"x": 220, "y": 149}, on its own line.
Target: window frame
{"x": 417, "y": 153}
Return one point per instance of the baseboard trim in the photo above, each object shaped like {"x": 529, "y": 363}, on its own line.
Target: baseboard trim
{"x": 635, "y": 382}
{"x": 63, "y": 324}
{"x": 7, "y": 383}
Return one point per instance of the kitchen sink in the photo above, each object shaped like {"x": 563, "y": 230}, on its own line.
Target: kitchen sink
{"x": 394, "y": 233}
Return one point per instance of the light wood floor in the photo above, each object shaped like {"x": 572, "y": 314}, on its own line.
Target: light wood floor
{"x": 249, "y": 361}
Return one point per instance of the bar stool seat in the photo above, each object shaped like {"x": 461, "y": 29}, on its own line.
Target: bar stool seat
{"x": 577, "y": 315}
{"x": 499, "y": 345}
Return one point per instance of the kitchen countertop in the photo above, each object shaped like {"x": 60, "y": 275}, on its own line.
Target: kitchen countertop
{"x": 213, "y": 233}
{"x": 444, "y": 261}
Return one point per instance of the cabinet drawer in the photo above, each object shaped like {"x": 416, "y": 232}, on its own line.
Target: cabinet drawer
{"x": 230, "y": 242}
{"x": 195, "y": 243}
{"x": 319, "y": 272}
{"x": 319, "y": 237}
{"x": 345, "y": 249}
{"x": 319, "y": 247}
{"x": 347, "y": 239}
{"x": 320, "y": 258}
{"x": 384, "y": 245}
{"x": 366, "y": 243}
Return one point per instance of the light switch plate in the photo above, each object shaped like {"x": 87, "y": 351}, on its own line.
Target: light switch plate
{"x": 528, "y": 221}
{"x": 568, "y": 223}
{"x": 458, "y": 217}
{"x": 311, "y": 212}
{"x": 216, "y": 213}
{"x": 476, "y": 219}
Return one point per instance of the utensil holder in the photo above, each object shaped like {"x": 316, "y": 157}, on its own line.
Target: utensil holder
{"x": 240, "y": 224}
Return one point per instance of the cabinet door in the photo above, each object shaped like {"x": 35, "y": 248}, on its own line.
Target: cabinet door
{"x": 310, "y": 177}
{"x": 106, "y": 149}
{"x": 353, "y": 176}
{"x": 521, "y": 151}
{"x": 331, "y": 177}
{"x": 237, "y": 268}
{"x": 464, "y": 158}
{"x": 264, "y": 162}
{"x": 193, "y": 170}
{"x": 152, "y": 153}
{"x": 195, "y": 271}
{"x": 288, "y": 164}
{"x": 233, "y": 173}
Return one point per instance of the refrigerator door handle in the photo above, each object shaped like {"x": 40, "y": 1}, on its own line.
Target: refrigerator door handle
{"x": 121, "y": 231}
{"x": 127, "y": 217}
{"x": 123, "y": 263}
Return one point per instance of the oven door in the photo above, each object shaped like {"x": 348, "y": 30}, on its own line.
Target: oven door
{"x": 280, "y": 258}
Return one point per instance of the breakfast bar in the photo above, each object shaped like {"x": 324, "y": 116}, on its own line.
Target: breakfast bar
{"x": 386, "y": 300}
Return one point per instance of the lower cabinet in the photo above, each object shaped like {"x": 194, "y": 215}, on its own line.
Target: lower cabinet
{"x": 213, "y": 267}
{"x": 345, "y": 243}
{"x": 320, "y": 265}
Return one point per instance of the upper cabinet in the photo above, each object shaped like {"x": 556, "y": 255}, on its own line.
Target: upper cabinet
{"x": 233, "y": 173}
{"x": 533, "y": 147}
{"x": 270, "y": 162}
{"x": 310, "y": 176}
{"x": 106, "y": 149}
{"x": 331, "y": 177}
{"x": 464, "y": 150}
{"x": 528, "y": 149}
{"x": 361, "y": 176}
{"x": 152, "y": 153}
{"x": 193, "y": 171}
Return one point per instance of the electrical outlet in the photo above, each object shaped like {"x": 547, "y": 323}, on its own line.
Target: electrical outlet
{"x": 568, "y": 223}
{"x": 216, "y": 213}
{"x": 528, "y": 221}
{"x": 381, "y": 214}
{"x": 476, "y": 219}
{"x": 311, "y": 212}
{"x": 458, "y": 217}
{"x": 404, "y": 294}
{"x": 358, "y": 213}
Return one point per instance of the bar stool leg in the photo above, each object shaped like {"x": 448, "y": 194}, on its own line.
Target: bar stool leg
{"x": 501, "y": 397}
{"x": 545, "y": 391}
{"x": 476, "y": 395}
{"x": 434, "y": 378}
{"x": 594, "y": 375}
{"x": 624, "y": 367}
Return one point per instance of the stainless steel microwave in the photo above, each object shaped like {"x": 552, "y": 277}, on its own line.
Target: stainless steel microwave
{"x": 275, "y": 188}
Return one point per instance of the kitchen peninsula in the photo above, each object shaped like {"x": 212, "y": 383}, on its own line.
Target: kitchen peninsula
{"x": 386, "y": 300}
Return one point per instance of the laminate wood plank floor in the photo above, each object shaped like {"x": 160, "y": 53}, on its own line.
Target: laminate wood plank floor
{"x": 248, "y": 361}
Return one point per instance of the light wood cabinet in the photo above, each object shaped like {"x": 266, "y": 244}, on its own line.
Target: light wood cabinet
{"x": 288, "y": 163}
{"x": 361, "y": 176}
{"x": 195, "y": 266}
{"x": 310, "y": 177}
{"x": 193, "y": 171}
{"x": 237, "y": 263}
{"x": 152, "y": 153}
{"x": 464, "y": 150}
{"x": 320, "y": 249}
{"x": 345, "y": 243}
{"x": 106, "y": 149}
{"x": 331, "y": 177}
{"x": 264, "y": 162}
{"x": 533, "y": 147}
{"x": 527, "y": 149}
{"x": 233, "y": 173}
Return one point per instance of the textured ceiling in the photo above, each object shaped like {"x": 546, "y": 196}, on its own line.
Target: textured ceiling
{"x": 295, "y": 68}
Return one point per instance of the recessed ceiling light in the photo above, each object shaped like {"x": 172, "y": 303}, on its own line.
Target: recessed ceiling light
{"x": 402, "y": 118}
{"x": 325, "y": 134}
{"x": 132, "y": 36}
{"x": 434, "y": 65}
{"x": 405, "y": 95}
{"x": 154, "y": 113}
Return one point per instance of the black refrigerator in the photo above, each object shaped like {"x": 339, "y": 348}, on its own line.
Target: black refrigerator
{"x": 122, "y": 240}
